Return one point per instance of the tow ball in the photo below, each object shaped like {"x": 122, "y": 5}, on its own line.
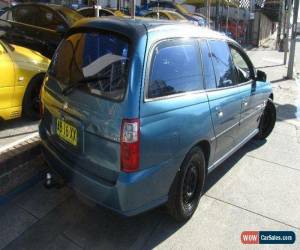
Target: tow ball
{"x": 53, "y": 181}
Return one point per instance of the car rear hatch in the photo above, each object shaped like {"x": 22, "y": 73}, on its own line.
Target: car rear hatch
{"x": 84, "y": 98}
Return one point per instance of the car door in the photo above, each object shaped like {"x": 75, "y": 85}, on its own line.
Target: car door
{"x": 223, "y": 96}
{"x": 251, "y": 102}
{"x": 174, "y": 114}
{"x": 7, "y": 78}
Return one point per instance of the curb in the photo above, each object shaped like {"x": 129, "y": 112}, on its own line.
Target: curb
{"x": 20, "y": 164}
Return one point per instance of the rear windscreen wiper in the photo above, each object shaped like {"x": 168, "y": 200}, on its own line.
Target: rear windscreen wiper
{"x": 69, "y": 89}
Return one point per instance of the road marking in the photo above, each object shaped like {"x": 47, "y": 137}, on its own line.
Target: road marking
{"x": 15, "y": 143}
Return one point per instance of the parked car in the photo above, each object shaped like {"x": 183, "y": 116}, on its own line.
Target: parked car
{"x": 22, "y": 72}
{"x": 135, "y": 117}
{"x": 166, "y": 15}
{"x": 37, "y": 26}
{"x": 90, "y": 12}
{"x": 168, "y": 5}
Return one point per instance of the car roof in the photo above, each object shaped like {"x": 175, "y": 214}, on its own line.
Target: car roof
{"x": 49, "y": 5}
{"x": 137, "y": 27}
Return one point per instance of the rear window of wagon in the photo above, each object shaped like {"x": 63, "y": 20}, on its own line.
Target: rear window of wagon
{"x": 93, "y": 55}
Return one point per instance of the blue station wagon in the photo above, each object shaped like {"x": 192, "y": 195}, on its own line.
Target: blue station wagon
{"x": 137, "y": 112}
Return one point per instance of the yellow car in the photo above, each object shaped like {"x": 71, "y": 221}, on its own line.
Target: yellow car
{"x": 21, "y": 76}
{"x": 166, "y": 15}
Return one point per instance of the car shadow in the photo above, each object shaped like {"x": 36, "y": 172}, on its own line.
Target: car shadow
{"x": 287, "y": 111}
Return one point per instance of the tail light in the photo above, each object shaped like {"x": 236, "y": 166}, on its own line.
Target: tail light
{"x": 130, "y": 145}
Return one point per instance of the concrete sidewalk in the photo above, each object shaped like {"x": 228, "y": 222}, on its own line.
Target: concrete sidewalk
{"x": 256, "y": 189}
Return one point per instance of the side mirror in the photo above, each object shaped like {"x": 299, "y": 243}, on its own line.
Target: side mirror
{"x": 261, "y": 76}
{"x": 61, "y": 29}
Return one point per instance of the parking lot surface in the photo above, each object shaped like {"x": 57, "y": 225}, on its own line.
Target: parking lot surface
{"x": 256, "y": 189}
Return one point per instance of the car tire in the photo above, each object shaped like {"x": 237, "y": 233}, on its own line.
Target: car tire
{"x": 267, "y": 121}
{"x": 31, "y": 100}
{"x": 187, "y": 187}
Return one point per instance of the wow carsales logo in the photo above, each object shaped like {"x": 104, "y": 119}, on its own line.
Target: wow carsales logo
{"x": 268, "y": 237}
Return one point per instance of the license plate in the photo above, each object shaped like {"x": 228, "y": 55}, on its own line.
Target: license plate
{"x": 66, "y": 132}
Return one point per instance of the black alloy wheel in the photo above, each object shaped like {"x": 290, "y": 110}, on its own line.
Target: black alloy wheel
{"x": 31, "y": 101}
{"x": 267, "y": 121}
{"x": 188, "y": 185}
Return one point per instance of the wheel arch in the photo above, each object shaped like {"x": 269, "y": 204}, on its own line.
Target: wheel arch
{"x": 206, "y": 148}
{"x": 31, "y": 81}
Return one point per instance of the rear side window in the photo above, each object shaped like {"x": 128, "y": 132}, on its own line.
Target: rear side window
{"x": 99, "y": 61}
{"x": 49, "y": 19}
{"x": 87, "y": 12}
{"x": 222, "y": 61}
{"x": 175, "y": 68}
{"x": 25, "y": 14}
{"x": 105, "y": 13}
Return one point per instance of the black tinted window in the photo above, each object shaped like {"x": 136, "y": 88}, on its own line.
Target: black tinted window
{"x": 222, "y": 61}
{"x": 49, "y": 19}
{"x": 105, "y": 13}
{"x": 175, "y": 68}
{"x": 25, "y": 14}
{"x": 70, "y": 15}
{"x": 99, "y": 61}
{"x": 208, "y": 69}
{"x": 87, "y": 12}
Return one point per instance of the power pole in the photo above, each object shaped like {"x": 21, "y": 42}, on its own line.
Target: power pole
{"x": 208, "y": 12}
{"x": 132, "y": 7}
{"x": 288, "y": 9}
{"x": 217, "y": 15}
{"x": 279, "y": 25}
{"x": 293, "y": 41}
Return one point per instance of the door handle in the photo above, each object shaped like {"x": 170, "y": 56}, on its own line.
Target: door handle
{"x": 219, "y": 112}
{"x": 245, "y": 103}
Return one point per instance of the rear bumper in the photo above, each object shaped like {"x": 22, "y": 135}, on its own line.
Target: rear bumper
{"x": 132, "y": 193}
